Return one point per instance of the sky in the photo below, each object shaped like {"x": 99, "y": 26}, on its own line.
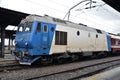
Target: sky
{"x": 101, "y": 17}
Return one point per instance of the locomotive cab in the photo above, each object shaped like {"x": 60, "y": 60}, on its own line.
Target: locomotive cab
{"x": 23, "y": 35}
{"x": 33, "y": 39}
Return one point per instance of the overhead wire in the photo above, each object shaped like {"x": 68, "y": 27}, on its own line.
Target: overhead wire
{"x": 39, "y": 4}
{"x": 60, "y": 11}
{"x": 101, "y": 5}
{"x": 97, "y": 19}
{"x": 58, "y": 3}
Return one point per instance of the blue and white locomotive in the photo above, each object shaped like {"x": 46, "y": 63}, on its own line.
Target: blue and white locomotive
{"x": 45, "y": 38}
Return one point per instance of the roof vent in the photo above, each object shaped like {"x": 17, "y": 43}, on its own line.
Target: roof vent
{"x": 82, "y": 24}
{"x": 59, "y": 20}
{"x": 45, "y": 15}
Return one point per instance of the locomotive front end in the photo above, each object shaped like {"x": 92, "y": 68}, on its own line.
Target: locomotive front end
{"x": 33, "y": 40}
{"x": 23, "y": 41}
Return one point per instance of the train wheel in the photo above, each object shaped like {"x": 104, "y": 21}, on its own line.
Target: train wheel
{"x": 106, "y": 54}
{"x": 46, "y": 60}
{"x": 61, "y": 60}
{"x": 94, "y": 55}
{"x": 75, "y": 57}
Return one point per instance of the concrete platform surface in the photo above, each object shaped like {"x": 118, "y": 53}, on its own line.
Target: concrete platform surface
{"x": 8, "y": 57}
{"x": 113, "y": 74}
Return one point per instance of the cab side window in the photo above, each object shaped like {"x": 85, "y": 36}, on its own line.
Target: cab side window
{"x": 38, "y": 27}
{"x": 45, "y": 28}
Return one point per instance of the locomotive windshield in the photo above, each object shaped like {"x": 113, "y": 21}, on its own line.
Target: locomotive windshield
{"x": 25, "y": 27}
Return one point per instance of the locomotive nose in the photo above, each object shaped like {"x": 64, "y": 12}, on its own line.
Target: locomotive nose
{"x": 23, "y": 40}
{"x": 22, "y": 44}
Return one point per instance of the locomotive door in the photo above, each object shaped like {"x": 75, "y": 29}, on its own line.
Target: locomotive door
{"x": 45, "y": 35}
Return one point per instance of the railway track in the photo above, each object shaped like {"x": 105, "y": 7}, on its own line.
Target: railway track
{"x": 78, "y": 73}
{"x": 12, "y": 65}
{"x": 67, "y": 71}
{"x": 8, "y": 62}
{"x": 9, "y": 65}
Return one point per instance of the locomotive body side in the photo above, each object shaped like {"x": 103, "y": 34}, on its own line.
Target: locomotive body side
{"x": 78, "y": 40}
{"x": 49, "y": 38}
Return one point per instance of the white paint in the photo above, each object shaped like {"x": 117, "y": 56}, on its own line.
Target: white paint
{"x": 81, "y": 43}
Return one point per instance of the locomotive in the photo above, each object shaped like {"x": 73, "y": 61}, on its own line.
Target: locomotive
{"x": 45, "y": 38}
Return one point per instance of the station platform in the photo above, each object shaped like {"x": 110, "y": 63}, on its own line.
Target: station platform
{"x": 8, "y": 57}
{"x": 7, "y": 60}
{"x": 113, "y": 74}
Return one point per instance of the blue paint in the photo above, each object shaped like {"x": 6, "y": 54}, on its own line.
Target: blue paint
{"x": 38, "y": 43}
{"x": 30, "y": 61}
{"x": 42, "y": 41}
{"x": 109, "y": 42}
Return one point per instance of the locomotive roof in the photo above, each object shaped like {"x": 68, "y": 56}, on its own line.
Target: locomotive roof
{"x": 57, "y": 21}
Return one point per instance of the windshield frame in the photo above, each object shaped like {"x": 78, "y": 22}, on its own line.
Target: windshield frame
{"x": 20, "y": 27}
{"x": 25, "y": 27}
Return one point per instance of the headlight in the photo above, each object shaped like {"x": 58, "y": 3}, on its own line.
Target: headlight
{"x": 26, "y": 43}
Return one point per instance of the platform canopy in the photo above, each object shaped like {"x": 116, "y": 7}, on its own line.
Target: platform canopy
{"x": 113, "y": 3}
{"x": 10, "y": 17}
